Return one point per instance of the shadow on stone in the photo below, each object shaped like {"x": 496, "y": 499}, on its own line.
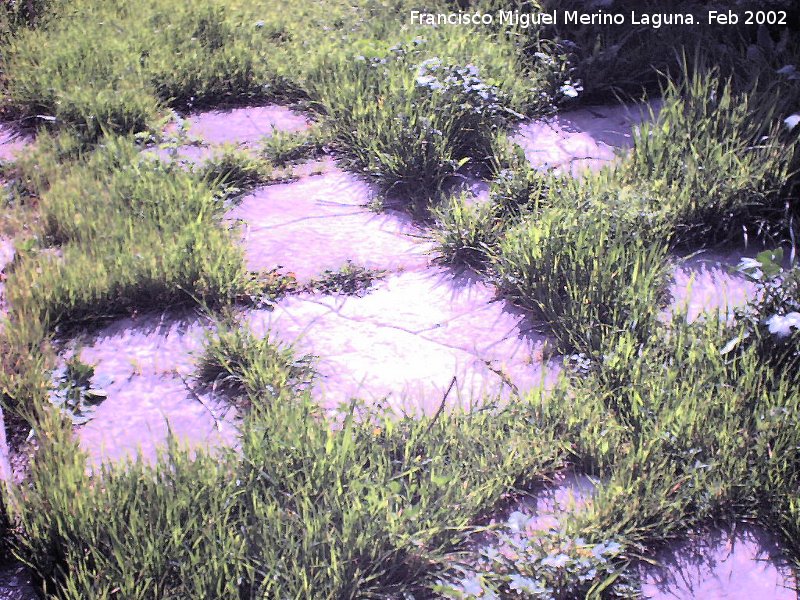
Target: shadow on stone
{"x": 735, "y": 564}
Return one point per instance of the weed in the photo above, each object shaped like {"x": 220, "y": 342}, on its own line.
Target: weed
{"x": 350, "y": 280}
{"x": 434, "y": 113}
{"x": 235, "y": 358}
{"x": 588, "y": 276}
{"x": 716, "y": 159}
{"x": 283, "y": 148}
{"x": 235, "y": 171}
{"x": 467, "y": 231}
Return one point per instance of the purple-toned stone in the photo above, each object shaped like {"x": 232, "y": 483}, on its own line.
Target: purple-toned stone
{"x": 11, "y": 142}
{"x": 150, "y": 361}
{"x": 405, "y": 341}
{"x": 320, "y": 223}
{"x": 246, "y": 125}
{"x": 575, "y": 140}
{"x": 705, "y": 284}
{"x": 744, "y": 564}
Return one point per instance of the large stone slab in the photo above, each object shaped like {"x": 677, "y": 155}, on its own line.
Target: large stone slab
{"x": 586, "y": 138}
{"x": 245, "y": 125}
{"x": 320, "y": 223}
{"x": 150, "y": 361}
{"x": 740, "y": 565}
{"x": 404, "y": 342}
{"x": 706, "y": 283}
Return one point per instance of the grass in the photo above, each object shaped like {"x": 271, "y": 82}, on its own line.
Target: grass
{"x": 719, "y": 158}
{"x": 441, "y": 102}
{"x": 361, "y": 510}
{"x": 121, "y": 231}
{"x": 236, "y": 171}
{"x": 681, "y": 426}
{"x": 284, "y": 148}
{"x": 590, "y": 278}
{"x": 239, "y": 361}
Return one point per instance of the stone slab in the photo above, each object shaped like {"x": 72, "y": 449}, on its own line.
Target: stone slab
{"x": 321, "y": 222}
{"x": 705, "y": 284}
{"x": 150, "y": 361}
{"x": 732, "y": 565}
{"x": 404, "y": 342}
{"x": 244, "y": 125}
{"x": 12, "y": 141}
{"x": 575, "y": 140}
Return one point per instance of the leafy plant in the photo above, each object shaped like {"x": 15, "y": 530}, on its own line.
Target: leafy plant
{"x": 350, "y": 279}
{"x": 549, "y": 565}
{"x": 772, "y": 319}
{"x": 77, "y": 391}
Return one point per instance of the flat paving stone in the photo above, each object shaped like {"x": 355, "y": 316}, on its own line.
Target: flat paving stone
{"x": 245, "y": 125}
{"x": 705, "y": 284}
{"x": 320, "y": 223}
{"x": 150, "y": 362}
{"x": 11, "y": 141}
{"x": 403, "y": 343}
{"x": 740, "y": 565}
{"x": 575, "y": 140}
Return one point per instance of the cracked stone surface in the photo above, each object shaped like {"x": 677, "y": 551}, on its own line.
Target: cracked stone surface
{"x": 575, "y": 140}
{"x": 739, "y": 565}
{"x": 150, "y": 362}
{"x": 320, "y": 222}
{"x": 402, "y": 343}
{"x": 406, "y": 340}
